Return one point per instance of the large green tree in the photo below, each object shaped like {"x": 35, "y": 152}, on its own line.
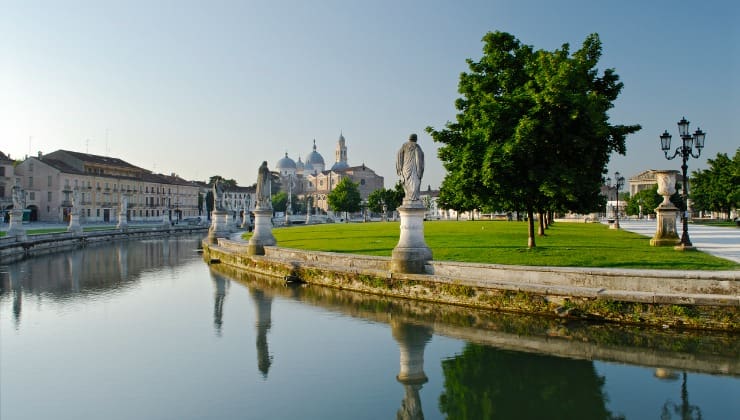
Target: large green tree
{"x": 532, "y": 132}
{"x": 391, "y": 198}
{"x": 345, "y": 197}
{"x": 717, "y": 188}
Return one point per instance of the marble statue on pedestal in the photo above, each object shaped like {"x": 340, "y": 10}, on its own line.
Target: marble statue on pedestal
{"x": 410, "y": 167}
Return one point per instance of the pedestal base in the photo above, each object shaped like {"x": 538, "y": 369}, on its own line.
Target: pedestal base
{"x": 412, "y": 252}
{"x": 122, "y": 222}
{"x": 262, "y": 232}
{"x": 681, "y": 247}
{"x": 16, "y": 228}
{"x": 665, "y": 230}
{"x": 219, "y": 226}
{"x": 74, "y": 224}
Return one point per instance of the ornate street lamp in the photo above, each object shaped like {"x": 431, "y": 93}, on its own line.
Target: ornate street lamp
{"x": 618, "y": 184}
{"x": 685, "y": 151}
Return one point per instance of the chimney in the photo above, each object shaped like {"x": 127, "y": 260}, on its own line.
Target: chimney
{"x": 40, "y": 154}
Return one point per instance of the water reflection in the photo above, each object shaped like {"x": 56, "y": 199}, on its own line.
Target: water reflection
{"x": 684, "y": 410}
{"x": 220, "y": 296}
{"x": 485, "y": 382}
{"x": 90, "y": 272}
{"x": 411, "y": 339}
{"x": 263, "y": 309}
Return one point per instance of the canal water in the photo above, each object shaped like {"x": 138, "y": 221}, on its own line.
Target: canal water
{"x": 147, "y": 330}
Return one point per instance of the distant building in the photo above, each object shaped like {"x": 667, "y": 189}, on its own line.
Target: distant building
{"x": 101, "y": 181}
{"x": 309, "y": 178}
{"x": 7, "y": 181}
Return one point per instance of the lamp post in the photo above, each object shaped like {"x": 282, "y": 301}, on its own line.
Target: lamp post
{"x": 685, "y": 151}
{"x": 618, "y": 184}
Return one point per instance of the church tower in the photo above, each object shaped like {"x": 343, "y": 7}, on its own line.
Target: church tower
{"x": 340, "y": 155}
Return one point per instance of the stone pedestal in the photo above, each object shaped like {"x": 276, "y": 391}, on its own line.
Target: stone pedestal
{"x": 16, "y": 228}
{"x": 122, "y": 222}
{"x": 219, "y": 226}
{"x": 262, "y": 232}
{"x": 665, "y": 230}
{"x": 74, "y": 224}
{"x": 412, "y": 252}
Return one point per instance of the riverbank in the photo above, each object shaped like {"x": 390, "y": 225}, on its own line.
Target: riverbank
{"x": 13, "y": 248}
{"x": 660, "y": 298}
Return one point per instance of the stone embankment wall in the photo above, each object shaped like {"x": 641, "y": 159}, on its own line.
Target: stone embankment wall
{"x": 683, "y": 299}
{"x": 11, "y": 249}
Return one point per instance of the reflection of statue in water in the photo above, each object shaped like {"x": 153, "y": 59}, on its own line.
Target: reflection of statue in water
{"x": 683, "y": 411}
{"x": 263, "y": 306}
{"x": 410, "y": 167}
{"x": 218, "y": 306}
{"x": 264, "y": 187}
{"x": 411, "y": 339}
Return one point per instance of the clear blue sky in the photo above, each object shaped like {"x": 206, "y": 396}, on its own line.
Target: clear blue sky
{"x": 216, "y": 87}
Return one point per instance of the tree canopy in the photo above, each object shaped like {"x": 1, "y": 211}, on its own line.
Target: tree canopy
{"x": 227, "y": 183}
{"x": 532, "y": 130}
{"x": 345, "y": 197}
{"x": 391, "y": 198}
{"x": 717, "y": 188}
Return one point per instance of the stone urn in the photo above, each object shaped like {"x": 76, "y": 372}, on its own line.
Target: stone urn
{"x": 666, "y": 212}
{"x": 666, "y": 185}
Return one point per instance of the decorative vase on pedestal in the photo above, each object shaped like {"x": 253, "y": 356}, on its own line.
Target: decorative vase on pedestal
{"x": 666, "y": 212}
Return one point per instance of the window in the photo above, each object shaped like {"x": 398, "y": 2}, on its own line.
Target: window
{"x": 97, "y": 212}
{"x": 30, "y": 167}
{"x": 49, "y": 181}
{"x": 32, "y": 196}
{"x": 30, "y": 182}
{"x": 2, "y": 170}
{"x": 88, "y": 212}
{"x": 48, "y": 196}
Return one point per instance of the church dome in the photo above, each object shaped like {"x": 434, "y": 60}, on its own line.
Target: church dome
{"x": 285, "y": 163}
{"x": 315, "y": 159}
{"x": 299, "y": 165}
{"x": 339, "y": 166}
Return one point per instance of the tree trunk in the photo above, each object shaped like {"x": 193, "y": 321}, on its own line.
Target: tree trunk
{"x": 543, "y": 222}
{"x": 530, "y": 229}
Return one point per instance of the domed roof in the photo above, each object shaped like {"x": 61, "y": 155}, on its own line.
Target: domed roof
{"x": 314, "y": 158}
{"x": 285, "y": 163}
{"x": 339, "y": 166}
{"x": 299, "y": 165}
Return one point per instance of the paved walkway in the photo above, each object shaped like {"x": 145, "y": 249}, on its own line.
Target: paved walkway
{"x": 723, "y": 242}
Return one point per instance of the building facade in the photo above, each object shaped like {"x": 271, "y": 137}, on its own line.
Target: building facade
{"x": 53, "y": 181}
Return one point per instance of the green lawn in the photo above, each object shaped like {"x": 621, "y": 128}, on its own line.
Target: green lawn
{"x": 501, "y": 242}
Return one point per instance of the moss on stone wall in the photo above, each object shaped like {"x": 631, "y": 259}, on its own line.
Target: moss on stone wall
{"x": 458, "y": 293}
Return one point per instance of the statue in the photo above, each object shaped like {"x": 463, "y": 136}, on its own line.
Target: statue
{"x": 264, "y": 187}
{"x": 218, "y": 194}
{"x": 19, "y": 198}
{"x": 410, "y": 167}
{"x": 76, "y": 201}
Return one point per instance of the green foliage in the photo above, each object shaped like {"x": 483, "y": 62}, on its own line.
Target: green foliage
{"x": 280, "y": 202}
{"x": 227, "y": 183}
{"x": 391, "y": 198}
{"x": 717, "y": 188}
{"x": 649, "y": 199}
{"x": 532, "y": 131}
{"x": 345, "y": 197}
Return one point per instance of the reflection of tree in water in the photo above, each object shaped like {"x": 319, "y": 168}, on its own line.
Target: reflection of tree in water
{"x": 487, "y": 383}
{"x": 684, "y": 411}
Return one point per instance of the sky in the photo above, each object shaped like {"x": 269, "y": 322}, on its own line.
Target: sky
{"x": 215, "y": 87}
